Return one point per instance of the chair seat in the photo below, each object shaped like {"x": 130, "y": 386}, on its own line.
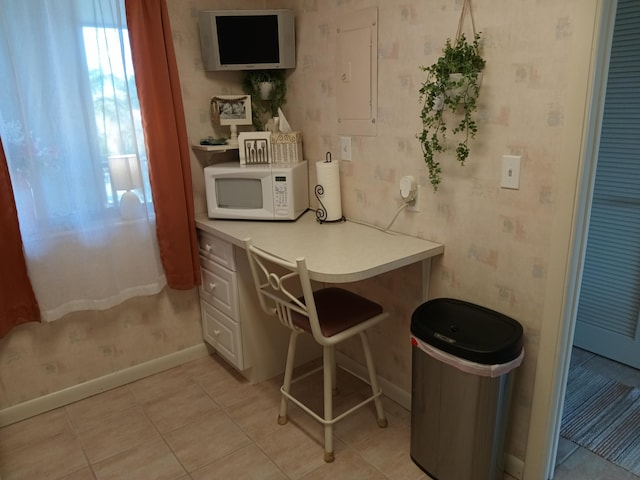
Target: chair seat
{"x": 338, "y": 310}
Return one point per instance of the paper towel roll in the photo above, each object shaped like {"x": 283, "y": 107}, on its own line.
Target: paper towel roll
{"x": 328, "y": 191}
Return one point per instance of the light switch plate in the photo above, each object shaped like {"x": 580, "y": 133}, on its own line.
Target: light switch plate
{"x": 345, "y": 148}
{"x": 511, "y": 172}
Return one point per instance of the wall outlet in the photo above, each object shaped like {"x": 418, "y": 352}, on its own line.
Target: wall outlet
{"x": 345, "y": 148}
{"x": 410, "y": 193}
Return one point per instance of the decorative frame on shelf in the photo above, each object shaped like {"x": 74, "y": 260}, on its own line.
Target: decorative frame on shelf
{"x": 255, "y": 148}
{"x": 232, "y": 110}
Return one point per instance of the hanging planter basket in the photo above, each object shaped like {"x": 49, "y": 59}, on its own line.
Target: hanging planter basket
{"x": 462, "y": 84}
{"x": 268, "y": 91}
{"x": 450, "y": 93}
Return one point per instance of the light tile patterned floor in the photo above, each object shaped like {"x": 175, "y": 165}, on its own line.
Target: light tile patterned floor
{"x": 203, "y": 421}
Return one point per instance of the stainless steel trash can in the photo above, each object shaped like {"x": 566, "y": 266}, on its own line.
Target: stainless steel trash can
{"x": 463, "y": 360}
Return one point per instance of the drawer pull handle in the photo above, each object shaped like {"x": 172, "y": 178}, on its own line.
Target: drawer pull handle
{"x": 207, "y": 247}
{"x": 212, "y": 286}
{"x": 216, "y": 333}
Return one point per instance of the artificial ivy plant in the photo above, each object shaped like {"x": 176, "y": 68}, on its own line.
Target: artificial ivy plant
{"x": 262, "y": 109}
{"x": 451, "y": 88}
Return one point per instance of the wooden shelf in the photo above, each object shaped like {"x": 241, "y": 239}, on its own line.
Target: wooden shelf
{"x": 214, "y": 148}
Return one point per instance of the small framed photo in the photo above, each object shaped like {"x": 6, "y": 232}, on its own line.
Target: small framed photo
{"x": 231, "y": 110}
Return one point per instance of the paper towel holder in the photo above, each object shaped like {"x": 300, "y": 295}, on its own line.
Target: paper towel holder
{"x": 321, "y": 212}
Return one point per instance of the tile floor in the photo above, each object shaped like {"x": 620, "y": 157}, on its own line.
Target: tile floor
{"x": 575, "y": 462}
{"x": 202, "y": 420}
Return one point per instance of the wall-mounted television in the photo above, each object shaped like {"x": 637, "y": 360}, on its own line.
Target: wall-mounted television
{"x": 247, "y": 39}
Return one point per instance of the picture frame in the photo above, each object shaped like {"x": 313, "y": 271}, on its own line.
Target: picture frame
{"x": 231, "y": 110}
{"x": 255, "y": 148}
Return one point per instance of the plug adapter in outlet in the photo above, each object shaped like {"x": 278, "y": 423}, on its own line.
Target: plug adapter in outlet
{"x": 415, "y": 205}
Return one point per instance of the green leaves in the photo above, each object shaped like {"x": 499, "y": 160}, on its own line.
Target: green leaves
{"x": 262, "y": 109}
{"x": 451, "y": 87}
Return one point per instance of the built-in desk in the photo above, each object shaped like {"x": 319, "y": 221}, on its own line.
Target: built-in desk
{"x": 334, "y": 253}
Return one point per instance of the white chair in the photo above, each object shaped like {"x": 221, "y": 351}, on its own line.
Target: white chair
{"x": 331, "y": 315}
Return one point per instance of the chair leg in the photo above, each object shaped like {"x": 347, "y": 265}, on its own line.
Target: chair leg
{"x": 334, "y": 375}
{"x": 288, "y": 375}
{"x": 373, "y": 380}
{"x": 328, "y": 369}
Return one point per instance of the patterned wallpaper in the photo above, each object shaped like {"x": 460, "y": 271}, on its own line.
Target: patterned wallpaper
{"x": 37, "y": 359}
{"x": 496, "y": 241}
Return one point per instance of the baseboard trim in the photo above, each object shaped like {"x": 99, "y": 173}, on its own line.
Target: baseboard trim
{"x": 514, "y": 466}
{"x": 39, "y": 405}
{"x": 392, "y": 391}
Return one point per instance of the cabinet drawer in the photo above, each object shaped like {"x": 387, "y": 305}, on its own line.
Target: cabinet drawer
{"x": 223, "y": 334}
{"x": 219, "y": 287}
{"x": 216, "y": 249}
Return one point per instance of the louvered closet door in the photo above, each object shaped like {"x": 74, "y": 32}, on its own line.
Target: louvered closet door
{"x": 609, "y": 305}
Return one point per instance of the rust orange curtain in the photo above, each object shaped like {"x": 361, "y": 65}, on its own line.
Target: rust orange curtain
{"x": 17, "y": 300}
{"x": 167, "y": 144}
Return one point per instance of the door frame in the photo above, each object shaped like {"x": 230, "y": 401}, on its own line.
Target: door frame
{"x": 593, "y": 24}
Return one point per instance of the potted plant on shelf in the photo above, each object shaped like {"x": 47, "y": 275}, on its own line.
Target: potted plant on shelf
{"x": 452, "y": 86}
{"x": 268, "y": 91}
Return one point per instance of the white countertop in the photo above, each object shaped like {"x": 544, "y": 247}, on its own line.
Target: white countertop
{"x": 334, "y": 252}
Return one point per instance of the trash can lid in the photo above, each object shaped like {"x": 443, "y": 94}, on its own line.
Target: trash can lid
{"x": 468, "y": 331}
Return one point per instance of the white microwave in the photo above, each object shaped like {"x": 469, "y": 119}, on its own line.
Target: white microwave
{"x": 257, "y": 192}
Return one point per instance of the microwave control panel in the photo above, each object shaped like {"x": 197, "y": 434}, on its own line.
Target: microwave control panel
{"x": 280, "y": 192}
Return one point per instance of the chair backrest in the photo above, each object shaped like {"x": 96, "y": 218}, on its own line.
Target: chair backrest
{"x": 280, "y": 285}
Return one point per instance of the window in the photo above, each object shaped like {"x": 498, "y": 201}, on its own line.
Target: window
{"x": 70, "y": 108}
{"x": 70, "y": 124}
{"x": 112, "y": 85}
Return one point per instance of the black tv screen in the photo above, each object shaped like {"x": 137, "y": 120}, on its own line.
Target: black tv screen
{"x": 248, "y": 39}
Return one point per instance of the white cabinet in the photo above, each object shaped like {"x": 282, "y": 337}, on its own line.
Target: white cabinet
{"x": 233, "y": 322}
{"x": 219, "y": 299}
{"x": 222, "y": 333}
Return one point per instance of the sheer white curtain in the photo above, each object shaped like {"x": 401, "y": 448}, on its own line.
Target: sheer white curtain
{"x": 70, "y": 124}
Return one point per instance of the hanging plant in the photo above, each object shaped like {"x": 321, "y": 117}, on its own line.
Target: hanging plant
{"x": 265, "y": 100}
{"x": 451, "y": 88}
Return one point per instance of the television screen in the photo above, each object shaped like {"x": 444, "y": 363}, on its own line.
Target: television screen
{"x": 248, "y": 39}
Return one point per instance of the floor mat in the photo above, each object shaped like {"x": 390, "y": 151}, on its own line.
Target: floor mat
{"x": 603, "y": 416}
